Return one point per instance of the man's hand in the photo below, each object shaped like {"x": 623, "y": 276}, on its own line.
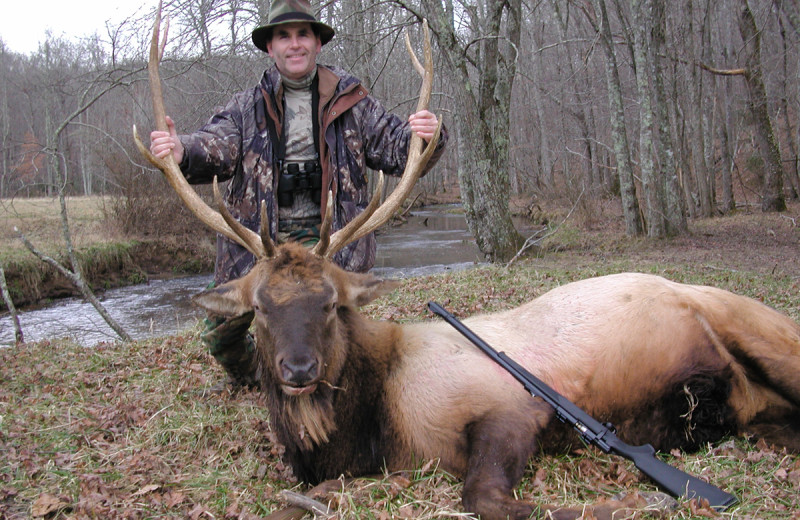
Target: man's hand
{"x": 162, "y": 143}
{"x": 424, "y": 124}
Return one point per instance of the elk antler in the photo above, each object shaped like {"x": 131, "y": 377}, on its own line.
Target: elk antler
{"x": 260, "y": 247}
{"x": 374, "y": 217}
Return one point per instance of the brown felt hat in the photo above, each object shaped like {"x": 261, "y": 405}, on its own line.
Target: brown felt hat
{"x": 289, "y": 11}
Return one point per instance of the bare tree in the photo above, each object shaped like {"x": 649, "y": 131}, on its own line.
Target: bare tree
{"x": 642, "y": 55}
{"x": 19, "y": 338}
{"x": 598, "y": 17}
{"x": 675, "y": 209}
{"x": 481, "y": 57}
{"x": 102, "y": 84}
{"x": 772, "y": 198}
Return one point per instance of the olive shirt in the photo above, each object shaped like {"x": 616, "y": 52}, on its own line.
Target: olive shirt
{"x": 356, "y": 132}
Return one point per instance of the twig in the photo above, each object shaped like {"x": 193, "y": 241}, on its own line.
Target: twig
{"x": 309, "y": 504}
{"x": 535, "y": 240}
{"x": 19, "y": 338}
{"x": 298, "y": 511}
{"x": 411, "y": 205}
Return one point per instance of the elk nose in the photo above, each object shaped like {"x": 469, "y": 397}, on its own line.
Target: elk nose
{"x": 299, "y": 371}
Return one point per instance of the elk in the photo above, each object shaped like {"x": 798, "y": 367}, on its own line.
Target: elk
{"x": 673, "y": 365}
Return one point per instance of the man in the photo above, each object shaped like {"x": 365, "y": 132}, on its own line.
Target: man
{"x": 303, "y": 130}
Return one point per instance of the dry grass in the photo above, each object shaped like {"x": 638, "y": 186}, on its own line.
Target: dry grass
{"x": 40, "y": 220}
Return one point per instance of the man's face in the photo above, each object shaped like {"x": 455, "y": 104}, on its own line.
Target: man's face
{"x": 294, "y": 47}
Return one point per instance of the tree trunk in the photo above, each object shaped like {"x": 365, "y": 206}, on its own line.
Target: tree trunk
{"x": 727, "y": 148}
{"x": 695, "y": 134}
{"x": 537, "y": 74}
{"x": 651, "y": 188}
{"x": 630, "y": 204}
{"x": 482, "y": 120}
{"x": 772, "y": 198}
{"x": 675, "y": 210}
{"x": 793, "y": 175}
{"x": 19, "y": 338}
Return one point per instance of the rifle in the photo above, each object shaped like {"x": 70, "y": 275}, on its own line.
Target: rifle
{"x": 672, "y": 480}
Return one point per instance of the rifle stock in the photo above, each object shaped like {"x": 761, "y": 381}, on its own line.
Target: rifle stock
{"x": 670, "y": 479}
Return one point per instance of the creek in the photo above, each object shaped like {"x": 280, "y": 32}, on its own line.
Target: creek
{"x": 434, "y": 239}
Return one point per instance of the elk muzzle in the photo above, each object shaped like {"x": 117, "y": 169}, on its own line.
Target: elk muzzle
{"x": 298, "y": 373}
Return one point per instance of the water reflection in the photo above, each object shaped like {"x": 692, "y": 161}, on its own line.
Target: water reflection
{"x": 432, "y": 240}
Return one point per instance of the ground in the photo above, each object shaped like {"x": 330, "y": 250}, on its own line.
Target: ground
{"x": 132, "y": 430}
{"x": 747, "y": 240}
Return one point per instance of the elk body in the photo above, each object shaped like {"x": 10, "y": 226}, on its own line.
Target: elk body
{"x": 673, "y": 365}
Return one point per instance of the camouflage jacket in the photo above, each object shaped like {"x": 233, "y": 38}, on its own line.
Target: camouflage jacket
{"x": 356, "y": 133}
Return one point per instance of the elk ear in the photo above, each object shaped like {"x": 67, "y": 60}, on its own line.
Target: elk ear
{"x": 364, "y": 288}
{"x": 229, "y": 299}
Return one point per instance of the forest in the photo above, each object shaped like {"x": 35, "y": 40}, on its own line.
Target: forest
{"x": 677, "y": 110}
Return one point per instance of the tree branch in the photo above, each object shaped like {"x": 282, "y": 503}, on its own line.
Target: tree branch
{"x": 18, "y": 337}
{"x": 535, "y": 240}
{"x": 77, "y": 280}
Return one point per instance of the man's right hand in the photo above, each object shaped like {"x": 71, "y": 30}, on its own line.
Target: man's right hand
{"x": 162, "y": 143}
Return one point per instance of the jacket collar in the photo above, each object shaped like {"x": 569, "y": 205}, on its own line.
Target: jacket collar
{"x": 333, "y": 81}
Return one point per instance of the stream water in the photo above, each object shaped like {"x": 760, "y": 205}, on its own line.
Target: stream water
{"x": 433, "y": 240}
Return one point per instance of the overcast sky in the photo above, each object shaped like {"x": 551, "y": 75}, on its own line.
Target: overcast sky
{"x": 23, "y": 23}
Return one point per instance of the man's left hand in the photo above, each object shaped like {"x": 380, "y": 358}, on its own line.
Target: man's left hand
{"x": 424, "y": 123}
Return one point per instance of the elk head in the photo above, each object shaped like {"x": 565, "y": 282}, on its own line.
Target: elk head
{"x": 298, "y": 295}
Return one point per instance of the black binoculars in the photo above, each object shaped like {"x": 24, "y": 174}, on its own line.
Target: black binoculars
{"x": 300, "y": 177}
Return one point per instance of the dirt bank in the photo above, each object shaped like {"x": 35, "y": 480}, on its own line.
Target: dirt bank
{"x": 32, "y": 282}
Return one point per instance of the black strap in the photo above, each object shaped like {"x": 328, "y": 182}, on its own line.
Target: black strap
{"x": 279, "y": 145}
{"x": 315, "y": 113}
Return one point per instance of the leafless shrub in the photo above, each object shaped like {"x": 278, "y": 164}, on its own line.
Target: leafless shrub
{"x": 144, "y": 205}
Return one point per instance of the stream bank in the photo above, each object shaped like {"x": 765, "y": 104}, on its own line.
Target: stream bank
{"x": 429, "y": 241}
{"x": 33, "y": 283}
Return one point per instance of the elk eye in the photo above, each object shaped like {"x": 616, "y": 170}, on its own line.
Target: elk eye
{"x": 330, "y": 307}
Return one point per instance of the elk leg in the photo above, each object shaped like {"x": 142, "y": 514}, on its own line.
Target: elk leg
{"x": 500, "y": 445}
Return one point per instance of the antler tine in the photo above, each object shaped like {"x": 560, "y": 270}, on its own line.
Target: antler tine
{"x": 325, "y": 228}
{"x": 245, "y": 237}
{"x": 414, "y": 61}
{"x": 253, "y": 242}
{"x": 343, "y": 235}
{"x": 163, "y": 37}
{"x": 417, "y": 159}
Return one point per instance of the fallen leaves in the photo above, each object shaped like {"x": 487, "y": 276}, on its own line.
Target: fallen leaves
{"x": 125, "y": 431}
{"x": 47, "y": 504}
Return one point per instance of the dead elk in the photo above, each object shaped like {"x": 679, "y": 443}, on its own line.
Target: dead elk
{"x": 673, "y": 365}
